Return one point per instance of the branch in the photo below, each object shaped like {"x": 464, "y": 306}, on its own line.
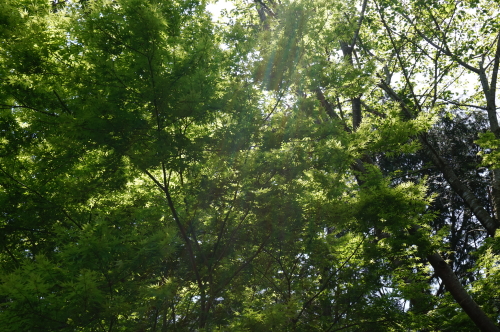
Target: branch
{"x": 453, "y": 285}
{"x": 41, "y": 196}
{"x": 224, "y": 222}
{"x": 444, "y": 50}
{"x": 358, "y": 27}
{"x": 493, "y": 87}
{"x": 492, "y": 117}
{"x": 401, "y": 64}
{"x": 62, "y": 103}
{"x": 266, "y": 8}
{"x": 7, "y": 107}
{"x": 458, "y": 186}
{"x": 325, "y": 284}
{"x": 242, "y": 266}
{"x": 463, "y": 105}
{"x": 329, "y": 109}
{"x": 179, "y": 225}
{"x": 372, "y": 111}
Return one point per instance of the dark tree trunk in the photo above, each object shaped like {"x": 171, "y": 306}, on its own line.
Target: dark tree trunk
{"x": 453, "y": 285}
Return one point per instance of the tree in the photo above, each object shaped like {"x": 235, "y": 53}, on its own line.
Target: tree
{"x": 161, "y": 171}
{"x": 415, "y": 104}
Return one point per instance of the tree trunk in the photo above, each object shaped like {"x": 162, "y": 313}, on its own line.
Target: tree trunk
{"x": 442, "y": 269}
{"x": 453, "y": 285}
{"x": 489, "y": 223}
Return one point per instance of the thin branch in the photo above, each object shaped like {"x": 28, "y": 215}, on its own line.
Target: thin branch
{"x": 245, "y": 264}
{"x": 329, "y": 109}
{"x": 325, "y": 284}
{"x": 224, "y": 222}
{"x": 372, "y": 111}
{"x": 179, "y": 225}
{"x": 463, "y": 105}
{"x": 62, "y": 103}
{"x": 401, "y": 64}
{"x": 8, "y": 107}
{"x": 41, "y": 196}
{"x": 280, "y": 96}
{"x": 358, "y": 27}
{"x": 445, "y": 50}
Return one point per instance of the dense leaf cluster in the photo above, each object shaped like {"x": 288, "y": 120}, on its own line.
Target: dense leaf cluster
{"x": 299, "y": 166}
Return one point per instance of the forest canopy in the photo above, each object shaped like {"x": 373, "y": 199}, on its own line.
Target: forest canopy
{"x": 290, "y": 165}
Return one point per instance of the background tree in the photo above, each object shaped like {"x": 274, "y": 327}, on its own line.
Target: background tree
{"x": 285, "y": 171}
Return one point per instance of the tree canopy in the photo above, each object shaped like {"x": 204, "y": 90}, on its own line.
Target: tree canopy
{"x": 295, "y": 165}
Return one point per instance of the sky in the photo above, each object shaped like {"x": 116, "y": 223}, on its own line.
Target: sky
{"x": 215, "y": 7}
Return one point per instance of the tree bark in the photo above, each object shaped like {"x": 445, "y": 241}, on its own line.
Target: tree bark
{"x": 453, "y": 285}
{"x": 489, "y": 91}
{"x": 489, "y": 223}
{"x": 442, "y": 269}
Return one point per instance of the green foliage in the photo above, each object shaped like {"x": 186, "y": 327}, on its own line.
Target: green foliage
{"x": 163, "y": 172}
{"x": 489, "y": 143}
